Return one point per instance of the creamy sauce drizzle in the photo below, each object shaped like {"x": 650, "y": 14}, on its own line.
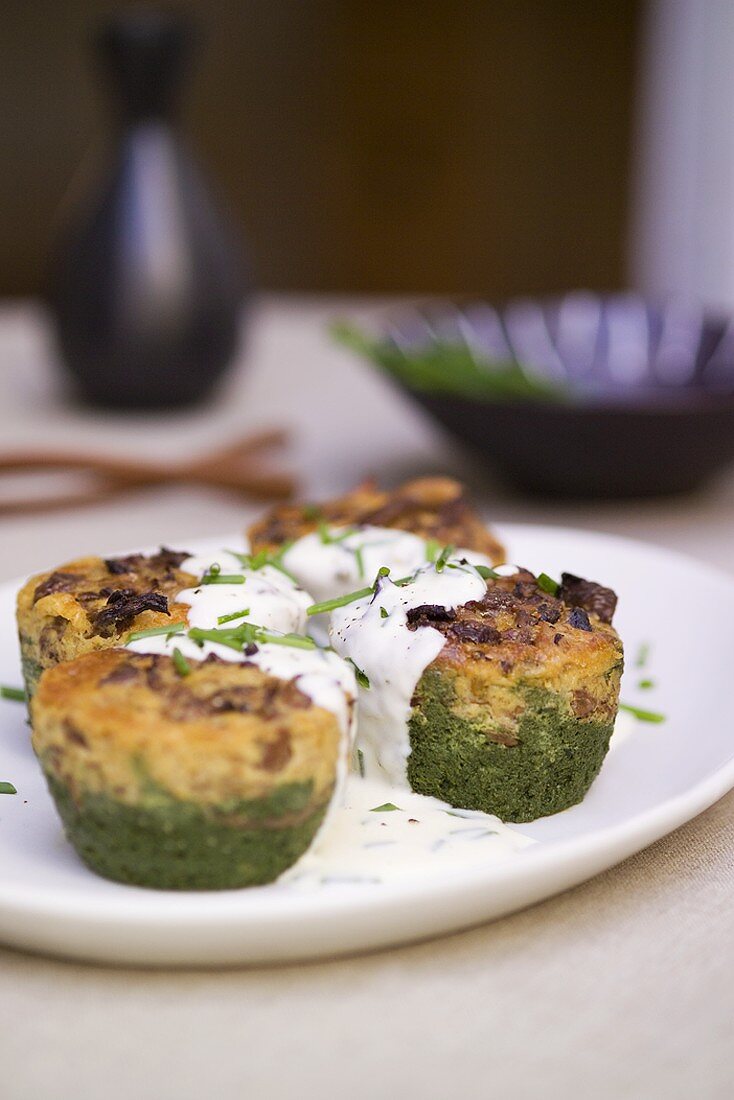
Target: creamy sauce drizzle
{"x": 352, "y": 559}
{"x": 270, "y": 597}
{"x": 374, "y": 633}
{"x": 423, "y": 836}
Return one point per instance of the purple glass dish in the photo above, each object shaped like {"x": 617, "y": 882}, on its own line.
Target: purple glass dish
{"x": 645, "y": 401}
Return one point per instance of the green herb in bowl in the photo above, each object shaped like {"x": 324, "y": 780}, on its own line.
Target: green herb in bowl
{"x": 450, "y": 367}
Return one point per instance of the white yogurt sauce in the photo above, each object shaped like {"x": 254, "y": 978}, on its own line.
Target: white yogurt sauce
{"x": 424, "y": 836}
{"x": 270, "y": 597}
{"x": 328, "y": 569}
{"x": 373, "y": 632}
{"x": 272, "y": 601}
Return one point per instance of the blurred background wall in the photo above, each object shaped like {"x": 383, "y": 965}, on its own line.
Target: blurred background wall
{"x": 362, "y": 145}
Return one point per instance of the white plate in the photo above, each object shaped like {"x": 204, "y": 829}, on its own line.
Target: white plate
{"x": 651, "y": 782}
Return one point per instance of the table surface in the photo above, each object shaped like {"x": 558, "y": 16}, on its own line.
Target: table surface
{"x": 621, "y": 987}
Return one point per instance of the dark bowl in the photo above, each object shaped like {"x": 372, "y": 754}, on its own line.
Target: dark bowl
{"x": 624, "y": 398}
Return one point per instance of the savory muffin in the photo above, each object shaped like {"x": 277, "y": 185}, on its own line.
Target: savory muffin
{"x": 434, "y": 508}
{"x": 213, "y": 775}
{"x": 93, "y": 603}
{"x": 515, "y": 714}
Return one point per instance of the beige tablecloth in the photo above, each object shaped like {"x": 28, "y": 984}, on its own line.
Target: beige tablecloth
{"x": 620, "y": 988}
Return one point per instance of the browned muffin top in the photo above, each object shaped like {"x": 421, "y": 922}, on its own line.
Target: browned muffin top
{"x": 431, "y": 507}
{"x": 113, "y": 719}
{"x": 517, "y": 621}
{"x": 113, "y": 592}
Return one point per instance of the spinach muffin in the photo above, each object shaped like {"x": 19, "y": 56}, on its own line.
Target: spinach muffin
{"x": 93, "y": 603}
{"x": 215, "y": 779}
{"x": 430, "y": 507}
{"x": 515, "y": 714}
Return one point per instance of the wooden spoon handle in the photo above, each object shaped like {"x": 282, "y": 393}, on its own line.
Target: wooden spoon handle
{"x": 125, "y": 469}
{"x": 255, "y": 486}
{"x": 118, "y": 468}
{"x": 242, "y": 448}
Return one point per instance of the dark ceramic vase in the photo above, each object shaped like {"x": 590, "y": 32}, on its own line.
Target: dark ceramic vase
{"x": 146, "y": 285}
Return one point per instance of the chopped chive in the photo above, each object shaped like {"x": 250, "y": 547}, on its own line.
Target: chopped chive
{"x": 328, "y": 538}
{"x": 433, "y": 549}
{"x": 243, "y": 559}
{"x": 444, "y": 556}
{"x": 646, "y": 685}
{"x": 642, "y": 715}
{"x": 359, "y": 559}
{"x": 155, "y": 631}
{"x": 383, "y": 613}
{"x": 233, "y": 615}
{"x": 215, "y": 568}
{"x": 360, "y": 762}
{"x": 339, "y": 601}
{"x": 342, "y": 601}
{"x": 362, "y": 678}
{"x": 548, "y": 584}
{"x": 265, "y": 557}
{"x": 239, "y": 637}
{"x": 223, "y": 637}
{"x": 384, "y": 808}
{"x": 222, "y": 578}
{"x": 16, "y": 694}
{"x": 297, "y": 641}
{"x": 183, "y": 668}
{"x": 643, "y": 654}
{"x": 7, "y": 788}
{"x": 486, "y": 573}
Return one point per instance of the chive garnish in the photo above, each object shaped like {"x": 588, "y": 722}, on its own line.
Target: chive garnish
{"x": 328, "y": 538}
{"x": 359, "y": 559}
{"x": 183, "y": 668}
{"x": 360, "y": 762}
{"x": 342, "y": 601}
{"x": 433, "y": 549}
{"x": 155, "y": 631}
{"x": 383, "y": 613}
{"x": 443, "y": 557}
{"x": 16, "y": 694}
{"x": 646, "y": 685}
{"x": 222, "y": 578}
{"x": 7, "y": 788}
{"x": 215, "y": 568}
{"x": 384, "y": 808}
{"x": 548, "y": 584}
{"x": 233, "y": 615}
{"x": 486, "y": 573}
{"x": 642, "y": 715}
{"x": 339, "y": 601}
{"x": 265, "y": 557}
{"x": 223, "y": 637}
{"x": 362, "y": 678}
{"x": 297, "y": 641}
{"x": 246, "y": 634}
{"x": 643, "y": 654}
